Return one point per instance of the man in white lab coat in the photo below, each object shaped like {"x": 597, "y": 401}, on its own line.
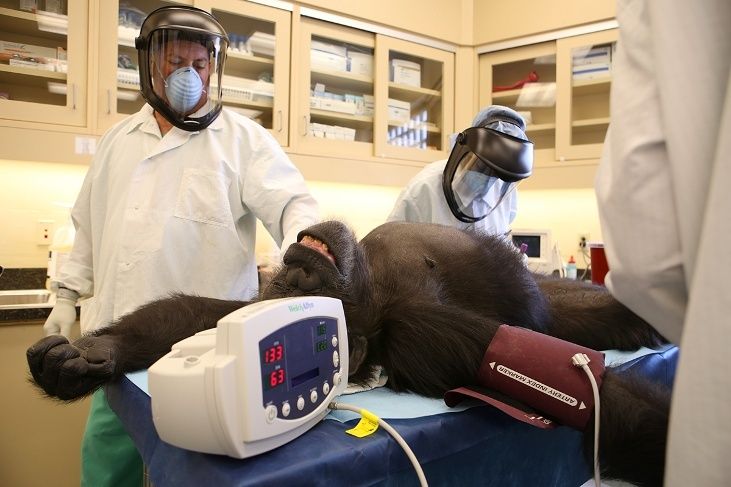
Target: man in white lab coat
{"x": 170, "y": 204}
{"x": 665, "y": 206}
{"x": 473, "y": 188}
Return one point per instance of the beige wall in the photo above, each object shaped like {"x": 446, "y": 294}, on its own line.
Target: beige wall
{"x": 447, "y": 20}
{"x": 496, "y": 20}
{"x": 32, "y": 189}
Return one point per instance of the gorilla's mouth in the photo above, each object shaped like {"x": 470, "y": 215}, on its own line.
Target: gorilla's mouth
{"x": 318, "y": 246}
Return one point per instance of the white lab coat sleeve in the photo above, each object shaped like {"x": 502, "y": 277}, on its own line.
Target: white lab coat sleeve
{"x": 634, "y": 188}
{"x": 78, "y": 274}
{"x": 664, "y": 205}
{"x": 275, "y": 190}
{"x": 406, "y": 208}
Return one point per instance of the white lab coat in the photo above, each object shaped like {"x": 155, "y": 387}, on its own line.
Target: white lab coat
{"x": 665, "y": 207}
{"x": 178, "y": 213}
{"x": 423, "y": 200}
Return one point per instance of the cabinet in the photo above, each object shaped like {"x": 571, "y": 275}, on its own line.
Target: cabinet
{"x": 118, "y": 89}
{"x": 335, "y": 98}
{"x": 331, "y": 91}
{"x": 415, "y": 98}
{"x": 368, "y": 95}
{"x": 256, "y": 77}
{"x": 562, "y": 89}
{"x": 43, "y": 62}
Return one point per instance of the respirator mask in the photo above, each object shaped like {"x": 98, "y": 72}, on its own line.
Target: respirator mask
{"x": 181, "y": 57}
{"x": 485, "y": 165}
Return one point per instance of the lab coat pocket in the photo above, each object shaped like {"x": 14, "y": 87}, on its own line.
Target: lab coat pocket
{"x": 203, "y": 197}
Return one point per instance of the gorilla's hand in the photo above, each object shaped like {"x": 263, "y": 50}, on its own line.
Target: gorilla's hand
{"x": 69, "y": 371}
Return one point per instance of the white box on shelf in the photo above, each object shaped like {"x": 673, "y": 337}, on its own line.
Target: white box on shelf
{"x": 337, "y": 106}
{"x": 327, "y": 60}
{"x": 406, "y": 72}
{"x": 399, "y": 111}
{"x": 261, "y": 44}
{"x": 591, "y": 71}
{"x": 360, "y": 63}
{"x": 601, "y": 54}
{"x": 322, "y": 46}
{"x": 368, "y": 105}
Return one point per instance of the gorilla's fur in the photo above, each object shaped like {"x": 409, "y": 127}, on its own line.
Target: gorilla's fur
{"x": 421, "y": 300}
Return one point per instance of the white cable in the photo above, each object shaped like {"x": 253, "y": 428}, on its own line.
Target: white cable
{"x": 392, "y": 432}
{"x": 582, "y": 360}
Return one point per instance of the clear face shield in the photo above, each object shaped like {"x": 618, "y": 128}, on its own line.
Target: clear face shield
{"x": 183, "y": 76}
{"x": 483, "y": 168}
{"x": 477, "y": 189}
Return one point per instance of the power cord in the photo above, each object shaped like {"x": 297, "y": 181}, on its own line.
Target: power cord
{"x": 391, "y": 431}
{"x": 582, "y": 360}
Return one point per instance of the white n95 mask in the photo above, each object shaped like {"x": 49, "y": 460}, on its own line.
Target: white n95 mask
{"x": 183, "y": 89}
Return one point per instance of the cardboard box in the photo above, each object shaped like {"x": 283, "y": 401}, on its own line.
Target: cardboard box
{"x": 591, "y": 71}
{"x": 337, "y": 106}
{"x": 27, "y": 53}
{"x": 398, "y": 111}
{"x": 406, "y": 72}
{"x": 328, "y": 61}
{"x": 360, "y": 63}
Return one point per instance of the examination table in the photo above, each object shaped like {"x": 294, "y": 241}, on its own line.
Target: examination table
{"x": 472, "y": 445}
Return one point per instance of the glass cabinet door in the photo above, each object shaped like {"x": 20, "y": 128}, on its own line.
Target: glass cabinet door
{"x": 43, "y": 61}
{"x": 415, "y": 111}
{"x": 585, "y": 76}
{"x": 119, "y": 80}
{"x": 336, "y": 91}
{"x": 524, "y": 79}
{"x": 256, "y": 75}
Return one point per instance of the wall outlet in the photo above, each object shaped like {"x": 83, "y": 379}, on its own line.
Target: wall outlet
{"x": 44, "y": 232}
{"x": 583, "y": 239}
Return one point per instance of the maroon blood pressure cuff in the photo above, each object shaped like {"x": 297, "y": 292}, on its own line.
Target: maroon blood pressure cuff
{"x": 531, "y": 377}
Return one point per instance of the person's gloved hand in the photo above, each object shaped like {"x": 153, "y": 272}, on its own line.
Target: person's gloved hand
{"x": 63, "y": 314}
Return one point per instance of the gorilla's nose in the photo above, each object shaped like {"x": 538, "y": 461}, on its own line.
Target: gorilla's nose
{"x": 303, "y": 280}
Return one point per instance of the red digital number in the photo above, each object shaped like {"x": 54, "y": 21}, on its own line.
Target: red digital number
{"x": 276, "y": 378}
{"x": 273, "y": 354}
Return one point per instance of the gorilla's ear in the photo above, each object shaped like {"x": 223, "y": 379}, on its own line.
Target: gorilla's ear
{"x": 358, "y": 350}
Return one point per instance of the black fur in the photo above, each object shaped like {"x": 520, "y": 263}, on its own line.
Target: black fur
{"x": 421, "y": 300}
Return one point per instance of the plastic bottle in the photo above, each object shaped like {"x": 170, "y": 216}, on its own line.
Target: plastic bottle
{"x": 571, "y": 268}
{"x": 60, "y": 249}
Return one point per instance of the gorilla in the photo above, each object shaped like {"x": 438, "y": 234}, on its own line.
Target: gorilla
{"x": 410, "y": 291}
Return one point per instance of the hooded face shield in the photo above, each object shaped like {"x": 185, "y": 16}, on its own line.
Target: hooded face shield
{"x": 182, "y": 52}
{"x": 484, "y": 166}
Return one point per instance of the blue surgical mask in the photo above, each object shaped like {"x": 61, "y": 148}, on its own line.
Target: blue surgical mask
{"x": 476, "y": 183}
{"x": 183, "y": 89}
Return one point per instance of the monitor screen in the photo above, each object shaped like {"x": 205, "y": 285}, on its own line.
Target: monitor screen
{"x": 532, "y": 241}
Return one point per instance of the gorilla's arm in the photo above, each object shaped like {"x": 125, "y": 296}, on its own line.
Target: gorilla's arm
{"x": 633, "y": 429}
{"x": 70, "y": 371}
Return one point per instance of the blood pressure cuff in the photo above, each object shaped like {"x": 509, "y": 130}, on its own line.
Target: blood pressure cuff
{"x": 531, "y": 377}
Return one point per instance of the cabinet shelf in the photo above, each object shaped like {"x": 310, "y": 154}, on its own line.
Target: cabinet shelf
{"x": 590, "y": 123}
{"x": 43, "y": 24}
{"x": 343, "y": 80}
{"x": 248, "y": 58}
{"x": 410, "y": 93}
{"x": 430, "y": 128}
{"x": 592, "y": 86}
{"x": 40, "y": 75}
{"x": 540, "y": 127}
{"x": 357, "y": 119}
{"x": 247, "y": 103}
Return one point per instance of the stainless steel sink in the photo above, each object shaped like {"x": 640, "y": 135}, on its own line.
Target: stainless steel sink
{"x": 26, "y": 298}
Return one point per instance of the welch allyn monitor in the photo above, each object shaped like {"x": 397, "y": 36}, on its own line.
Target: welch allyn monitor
{"x": 263, "y": 377}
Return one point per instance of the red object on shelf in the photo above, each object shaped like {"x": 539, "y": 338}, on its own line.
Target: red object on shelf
{"x": 530, "y": 78}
